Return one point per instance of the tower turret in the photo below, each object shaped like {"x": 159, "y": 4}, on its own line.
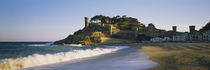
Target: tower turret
{"x": 174, "y": 28}
{"x": 86, "y": 22}
{"x": 192, "y": 29}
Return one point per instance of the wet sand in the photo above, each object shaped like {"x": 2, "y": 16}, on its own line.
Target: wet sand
{"x": 126, "y": 59}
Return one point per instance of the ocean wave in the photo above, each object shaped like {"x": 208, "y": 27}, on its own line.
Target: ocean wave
{"x": 78, "y": 45}
{"x": 38, "y": 59}
{"x": 117, "y": 47}
{"x": 46, "y": 44}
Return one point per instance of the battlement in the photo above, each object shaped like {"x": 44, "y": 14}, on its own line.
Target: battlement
{"x": 87, "y": 21}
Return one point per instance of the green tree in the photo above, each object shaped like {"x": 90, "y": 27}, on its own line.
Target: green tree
{"x": 101, "y": 19}
{"x": 124, "y": 22}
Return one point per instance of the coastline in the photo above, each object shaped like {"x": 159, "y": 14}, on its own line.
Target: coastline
{"x": 154, "y": 56}
{"x": 125, "y": 59}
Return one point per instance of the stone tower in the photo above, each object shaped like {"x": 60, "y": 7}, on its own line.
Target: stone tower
{"x": 86, "y": 22}
{"x": 192, "y": 29}
{"x": 174, "y": 28}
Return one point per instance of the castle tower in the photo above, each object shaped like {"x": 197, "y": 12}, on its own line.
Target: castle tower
{"x": 86, "y": 22}
{"x": 174, "y": 28}
{"x": 192, "y": 29}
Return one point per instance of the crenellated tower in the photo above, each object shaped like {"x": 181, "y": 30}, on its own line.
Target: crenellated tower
{"x": 192, "y": 28}
{"x": 86, "y": 22}
{"x": 174, "y": 28}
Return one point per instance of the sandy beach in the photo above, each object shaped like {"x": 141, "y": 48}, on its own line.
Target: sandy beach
{"x": 178, "y": 56}
{"x": 126, "y": 59}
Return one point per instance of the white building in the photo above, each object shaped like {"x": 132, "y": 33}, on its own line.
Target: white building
{"x": 206, "y": 35}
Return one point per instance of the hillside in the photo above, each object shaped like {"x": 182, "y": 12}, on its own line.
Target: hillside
{"x": 86, "y": 36}
{"x": 101, "y": 26}
{"x": 120, "y": 27}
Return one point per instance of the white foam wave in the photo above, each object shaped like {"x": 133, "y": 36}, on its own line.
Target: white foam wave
{"x": 36, "y": 45}
{"x": 37, "y": 59}
{"x": 78, "y": 45}
{"x": 117, "y": 47}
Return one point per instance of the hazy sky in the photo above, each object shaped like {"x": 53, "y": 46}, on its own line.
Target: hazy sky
{"x": 50, "y": 20}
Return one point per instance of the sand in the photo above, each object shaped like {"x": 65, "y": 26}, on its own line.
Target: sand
{"x": 126, "y": 59}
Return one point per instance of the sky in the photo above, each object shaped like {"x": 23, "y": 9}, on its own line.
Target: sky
{"x": 51, "y": 20}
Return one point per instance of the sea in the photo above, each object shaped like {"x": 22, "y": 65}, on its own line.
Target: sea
{"x": 20, "y": 55}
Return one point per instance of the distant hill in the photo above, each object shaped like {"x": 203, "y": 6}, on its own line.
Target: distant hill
{"x": 206, "y": 27}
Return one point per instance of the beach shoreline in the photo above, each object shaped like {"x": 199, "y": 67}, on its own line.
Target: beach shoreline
{"x": 178, "y": 56}
{"x": 140, "y": 56}
{"x": 125, "y": 59}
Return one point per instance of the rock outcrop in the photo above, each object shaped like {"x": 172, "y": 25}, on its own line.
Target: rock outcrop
{"x": 87, "y": 36}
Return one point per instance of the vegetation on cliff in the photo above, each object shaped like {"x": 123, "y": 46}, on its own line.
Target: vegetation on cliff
{"x": 92, "y": 34}
{"x": 121, "y": 22}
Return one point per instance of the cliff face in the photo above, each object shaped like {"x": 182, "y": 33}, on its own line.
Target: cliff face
{"x": 87, "y": 36}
